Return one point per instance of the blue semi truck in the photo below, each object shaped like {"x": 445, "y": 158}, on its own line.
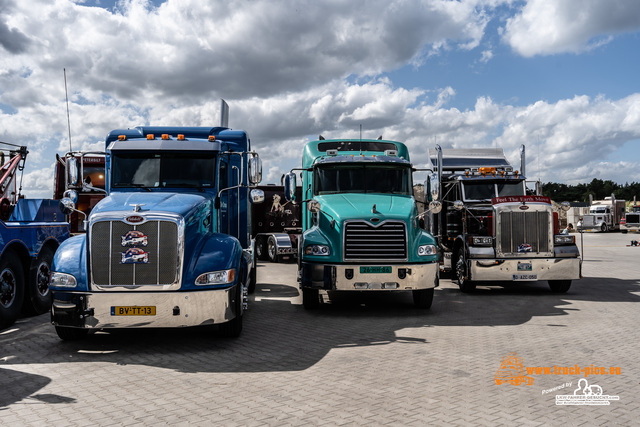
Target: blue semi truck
{"x": 170, "y": 245}
{"x": 30, "y": 232}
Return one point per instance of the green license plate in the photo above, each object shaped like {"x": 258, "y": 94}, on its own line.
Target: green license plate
{"x": 369, "y": 270}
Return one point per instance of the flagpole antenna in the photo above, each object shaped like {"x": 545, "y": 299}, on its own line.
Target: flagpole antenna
{"x": 67, "y": 98}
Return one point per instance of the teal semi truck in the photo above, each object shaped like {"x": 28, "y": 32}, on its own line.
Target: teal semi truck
{"x": 360, "y": 223}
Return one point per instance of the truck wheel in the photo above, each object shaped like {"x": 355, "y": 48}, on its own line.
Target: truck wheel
{"x": 232, "y": 328}
{"x": 272, "y": 249}
{"x": 261, "y": 250}
{"x": 310, "y": 298}
{"x": 11, "y": 288}
{"x": 461, "y": 272}
{"x": 71, "y": 334}
{"x": 559, "y": 286}
{"x": 603, "y": 227}
{"x": 422, "y": 298}
{"x": 37, "y": 295}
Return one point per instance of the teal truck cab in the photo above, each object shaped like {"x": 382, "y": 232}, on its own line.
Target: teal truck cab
{"x": 169, "y": 246}
{"x": 361, "y": 228}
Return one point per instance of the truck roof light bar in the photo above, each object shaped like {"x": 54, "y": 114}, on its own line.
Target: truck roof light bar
{"x": 151, "y": 136}
{"x": 180, "y": 137}
{"x": 165, "y": 136}
{"x": 212, "y": 138}
{"x": 122, "y": 137}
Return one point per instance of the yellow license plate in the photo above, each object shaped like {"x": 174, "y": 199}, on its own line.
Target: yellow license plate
{"x": 149, "y": 310}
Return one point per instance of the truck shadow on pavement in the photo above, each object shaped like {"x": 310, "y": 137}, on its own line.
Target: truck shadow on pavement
{"x": 280, "y": 335}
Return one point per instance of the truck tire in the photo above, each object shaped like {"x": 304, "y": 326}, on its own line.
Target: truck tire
{"x": 604, "y": 228}
{"x": 11, "y": 288}
{"x": 71, "y": 334}
{"x": 272, "y": 249}
{"x": 310, "y": 298}
{"x": 261, "y": 249}
{"x": 233, "y": 328}
{"x": 465, "y": 285}
{"x": 423, "y": 298}
{"x": 37, "y": 299}
{"x": 559, "y": 286}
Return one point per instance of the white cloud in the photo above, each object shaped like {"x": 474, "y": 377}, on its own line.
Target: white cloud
{"x": 554, "y": 26}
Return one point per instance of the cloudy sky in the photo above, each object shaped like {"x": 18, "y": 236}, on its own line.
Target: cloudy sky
{"x": 560, "y": 76}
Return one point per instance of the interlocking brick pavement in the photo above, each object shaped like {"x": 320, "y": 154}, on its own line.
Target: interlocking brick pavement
{"x": 358, "y": 360}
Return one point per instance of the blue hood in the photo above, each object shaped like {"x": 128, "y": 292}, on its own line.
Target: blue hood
{"x": 179, "y": 203}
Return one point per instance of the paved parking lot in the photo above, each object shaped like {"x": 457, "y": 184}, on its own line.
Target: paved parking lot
{"x": 373, "y": 360}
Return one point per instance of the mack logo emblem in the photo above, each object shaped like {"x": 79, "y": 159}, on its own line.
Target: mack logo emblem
{"x": 134, "y": 219}
{"x": 134, "y": 238}
{"x": 134, "y": 256}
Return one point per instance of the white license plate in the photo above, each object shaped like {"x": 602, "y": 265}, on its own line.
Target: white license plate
{"x": 525, "y": 277}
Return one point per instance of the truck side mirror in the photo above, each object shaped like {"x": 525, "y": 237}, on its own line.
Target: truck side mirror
{"x": 433, "y": 187}
{"x": 255, "y": 170}
{"x": 67, "y": 206}
{"x": 257, "y": 196}
{"x": 565, "y": 206}
{"x": 71, "y": 195}
{"x": 290, "y": 187}
{"x": 435, "y": 207}
{"x": 73, "y": 171}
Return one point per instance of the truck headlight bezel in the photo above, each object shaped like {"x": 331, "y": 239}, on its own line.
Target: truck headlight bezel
{"x": 62, "y": 280}
{"x": 317, "y": 250}
{"x": 425, "y": 250}
{"x": 221, "y": 277}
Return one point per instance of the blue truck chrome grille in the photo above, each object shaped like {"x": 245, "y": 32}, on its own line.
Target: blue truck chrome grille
{"x": 522, "y": 232}
{"x": 125, "y": 255}
{"x": 364, "y": 241}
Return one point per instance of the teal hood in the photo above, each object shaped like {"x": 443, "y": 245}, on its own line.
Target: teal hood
{"x": 343, "y": 207}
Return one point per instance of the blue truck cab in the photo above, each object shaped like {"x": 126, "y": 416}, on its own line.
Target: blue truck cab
{"x": 361, "y": 228}
{"x": 170, "y": 245}
{"x": 30, "y": 232}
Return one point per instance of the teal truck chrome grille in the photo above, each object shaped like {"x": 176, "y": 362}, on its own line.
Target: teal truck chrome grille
{"x": 125, "y": 255}
{"x": 364, "y": 241}
{"x": 523, "y": 232}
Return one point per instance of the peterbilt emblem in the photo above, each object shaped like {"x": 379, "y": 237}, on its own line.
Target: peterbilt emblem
{"x": 524, "y": 207}
{"x": 134, "y": 219}
{"x": 525, "y": 247}
{"x": 134, "y": 256}
{"x": 134, "y": 238}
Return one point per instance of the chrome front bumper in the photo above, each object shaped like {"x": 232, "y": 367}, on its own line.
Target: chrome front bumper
{"x": 172, "y": 309}
{"x": 349, "y": 278}
{"x": 540, "y": 268}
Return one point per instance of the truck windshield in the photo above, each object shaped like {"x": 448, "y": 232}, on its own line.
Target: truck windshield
{"x": 363, "y": 179}
{"x": 489, "y": 190}
{"x": 163, "y": 170}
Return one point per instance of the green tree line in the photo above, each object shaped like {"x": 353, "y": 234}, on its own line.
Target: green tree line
{"x": 598, "y": 188}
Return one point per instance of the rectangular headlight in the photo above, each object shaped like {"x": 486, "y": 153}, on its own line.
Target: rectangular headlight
{"x": 216, "y": 277}
{"x": 427, "y": 250}
{"x": 564, "y": 239}
{"x": 62, "y": 280}
{"x": 482, "y": 241}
